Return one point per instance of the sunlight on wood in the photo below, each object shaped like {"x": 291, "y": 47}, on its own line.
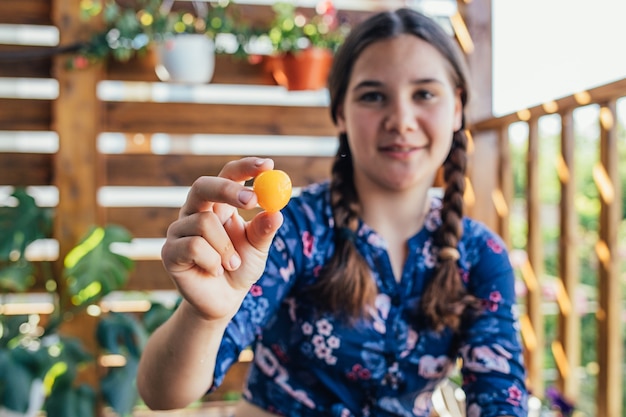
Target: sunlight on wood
{"x": 607, "y": 121}
{"x": 524, "y": 115}
{"x": 15, "y": 309}
{"x": 603, "y": 253}
{"x": 528, "y": 274}
{"x": 112, "y": 361}
{"x": 528, "y": 333}
{"x": 550, "y": 106}
{"x": 462, "y": 33}
{"x": 469, "y": 197}
{"x": 499, "y": 203}
{"x": 470, "y": 142}
{"x": 125, "y": 306}
{"x": 604, "y": 183}
{"x": 583, "y": 98}
{"x": 246, "y": 355}
{"x": 562, "y": 170}
{"x": 560, "y": 358}
{"x": 563, "y": 299}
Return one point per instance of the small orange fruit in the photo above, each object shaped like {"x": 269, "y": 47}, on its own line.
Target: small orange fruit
{"x": 273, "y": 189}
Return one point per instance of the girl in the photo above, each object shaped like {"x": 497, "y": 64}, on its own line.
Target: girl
{"x": 359, "y": 296}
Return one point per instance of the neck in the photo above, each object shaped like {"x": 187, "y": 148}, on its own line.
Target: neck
{"x": 395, "y": 215}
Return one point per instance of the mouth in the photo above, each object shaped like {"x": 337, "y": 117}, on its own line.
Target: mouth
{"x": 400, "y": 149}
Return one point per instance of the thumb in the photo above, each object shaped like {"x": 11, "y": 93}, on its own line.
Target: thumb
{"x": 262, "y": 228}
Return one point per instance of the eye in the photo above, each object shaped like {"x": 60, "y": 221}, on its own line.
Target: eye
{"x": 424, "y": 95}
{"x": 372, "y": 97}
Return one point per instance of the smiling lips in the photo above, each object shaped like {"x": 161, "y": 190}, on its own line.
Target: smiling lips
{"x": 400, "y": 150}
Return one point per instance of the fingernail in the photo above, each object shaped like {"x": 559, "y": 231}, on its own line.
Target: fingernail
{"x": 245, "y": 196}
{"x": 234, "y": 261}
{"x": 259, "y": 162}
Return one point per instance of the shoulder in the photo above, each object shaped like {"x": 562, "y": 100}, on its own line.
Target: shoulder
{"x": 310, "y": 206}
{"x": 477, "y": 234}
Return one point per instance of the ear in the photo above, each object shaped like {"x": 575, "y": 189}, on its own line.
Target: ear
{"x": 458, "y": 110}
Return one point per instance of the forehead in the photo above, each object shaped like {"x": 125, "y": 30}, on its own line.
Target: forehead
{"x": 399, "y": 58}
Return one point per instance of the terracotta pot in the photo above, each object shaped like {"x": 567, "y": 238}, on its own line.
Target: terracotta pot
{"x": 303, "y": 70}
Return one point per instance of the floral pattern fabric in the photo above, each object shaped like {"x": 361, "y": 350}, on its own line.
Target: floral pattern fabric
{"x": 311, "y": 364}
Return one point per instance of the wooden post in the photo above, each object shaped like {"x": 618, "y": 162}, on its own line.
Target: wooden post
{"x": 569, "y": 319}
{"x": 483, "y": 176}
{"x": 534, "y": 249}
{"x": 606, "y": 175}
{"x": 77, "y": 168}
{"x": 505, "y": 188}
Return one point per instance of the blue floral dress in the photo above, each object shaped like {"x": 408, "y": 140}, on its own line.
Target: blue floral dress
{"x": 307, "y": 364}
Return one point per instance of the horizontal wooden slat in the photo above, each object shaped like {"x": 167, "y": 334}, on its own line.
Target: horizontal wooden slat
{"x": 182, "y": 170}
{"x": 151, "y": 222}
{"x": 596, "y": 95}
{"x": 33, "y": 12}
{"x": 189, "y": 118}
{"x": 25, "y": 61}
{"x": 19, "y": 114}
{"x": 23, "y": 169}
{"x": 228, "y": 70}
{"x": 149, "y": 276}
{"x": 143, "y": 222}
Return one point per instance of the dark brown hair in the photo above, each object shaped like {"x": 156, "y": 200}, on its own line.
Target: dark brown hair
{"x": 345, "y": 284}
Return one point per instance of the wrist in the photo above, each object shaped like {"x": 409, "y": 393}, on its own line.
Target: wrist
{"x": 192, "y": 316}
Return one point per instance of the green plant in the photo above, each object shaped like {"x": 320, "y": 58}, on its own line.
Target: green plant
{"x": 129, "y": 31}
{"x": 125, "y": 334}
{"x": 292, "y": 31}
{"x": 37, "y": 361}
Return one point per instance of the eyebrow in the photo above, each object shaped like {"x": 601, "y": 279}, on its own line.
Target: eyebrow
{"x": 374, "y": 83}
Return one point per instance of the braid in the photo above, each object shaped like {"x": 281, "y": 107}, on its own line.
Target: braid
{"x": 445, "y": 301}
{"x": 345, "y": 284}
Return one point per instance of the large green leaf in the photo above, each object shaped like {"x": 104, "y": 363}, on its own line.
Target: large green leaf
{"x": 21, "y": 225}
{"x": 156, "y": 316}
{"x": 16, "y": 276}
{"x": 72, "y": 402}
{"x": 119, "y": 387}
{"x": 15, "y": 383}
{"x": 121, "y": 334}
{"x": 20, "y": 369}
{"x": 11, "y": 329}
{"x": 92, "y": 270}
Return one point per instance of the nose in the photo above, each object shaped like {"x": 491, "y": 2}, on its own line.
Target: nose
{"x": 402, "y": 116}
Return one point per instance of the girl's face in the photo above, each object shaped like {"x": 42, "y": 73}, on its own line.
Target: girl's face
{"x": 400, "y": 111}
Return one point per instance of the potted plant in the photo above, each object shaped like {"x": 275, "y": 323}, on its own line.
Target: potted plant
{"x": 303, "y": 46}
{"x": 39, "y": 364}
{"x": 182, "y": 41}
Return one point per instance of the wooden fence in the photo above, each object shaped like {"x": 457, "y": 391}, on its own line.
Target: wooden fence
{"x": 566, "y": 347}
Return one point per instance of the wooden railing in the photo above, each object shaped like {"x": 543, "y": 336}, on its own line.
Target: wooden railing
{"x": 566, "y": 345}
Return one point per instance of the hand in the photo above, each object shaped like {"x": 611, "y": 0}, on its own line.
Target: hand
{"x": 211, "y": 253}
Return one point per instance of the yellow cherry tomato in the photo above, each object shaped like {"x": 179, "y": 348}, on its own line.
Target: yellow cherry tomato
{"x": 273, "y": 189}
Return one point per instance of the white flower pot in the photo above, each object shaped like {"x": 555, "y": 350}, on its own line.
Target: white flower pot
{"x": 186, "y": 58}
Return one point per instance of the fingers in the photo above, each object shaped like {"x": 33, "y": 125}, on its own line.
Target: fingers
{"x": 226, "y": 188}
{"x": 262, "y": 228}
{"x": 217, "y": 244}
{"x": 181, "y": 255}
{"x": 245, "y": 168}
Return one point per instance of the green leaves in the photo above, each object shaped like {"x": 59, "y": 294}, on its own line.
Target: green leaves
{"x": 32, "y": 358}
{"x": 21, "y": 224}
{"x": 121, "y": 334}
{"x": 92, "y": 269}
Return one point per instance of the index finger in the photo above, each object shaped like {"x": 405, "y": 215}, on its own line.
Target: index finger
{"x": 226, "y": 188}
